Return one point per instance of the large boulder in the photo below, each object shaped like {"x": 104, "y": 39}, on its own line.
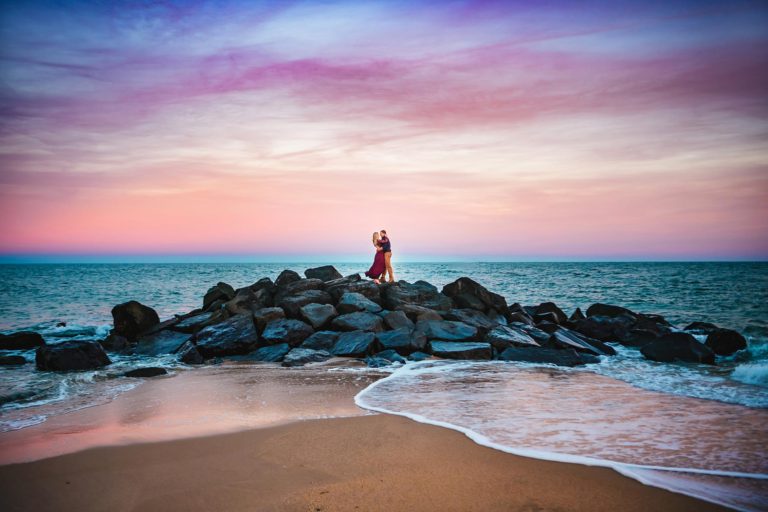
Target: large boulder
{"x": 420, "y": 293}
{"x": 472, "y": 317}
{"x": 539, "y": 336}
{"x": 234, "y": 336}
{"x": 467, "y": 293}
{"x": 416, "y": 313}
{"x": 194, "y": 323}
{"x": 576, "y": 316}
{"x": 547, "y": 355}
{"x": 354, "y": 344}
{"x": 360, "y": 321}
{"x": 161, "y": 342}
{"x": 324, "y": 273}
{"x": 221, "y": 292}
{"x": 264, "y": 283}
{"x": 551, "y": 308}
{"x": 461, "y": 350}
{"x": 270, "y": 353}
{"x": 290, "y": 331}
{"x": 638, "y": 337}
{"x": 22, "y": 340}
{"x": 566, "y": 338}
{"x": 504, "y": 336}
{"x": 287, "y": 277}
{"x": 353, "y": 284}
{"x": 725, "y": 342}
{"x": 402, "y": 340}
{"x": 188, "y": 354}
{"x": 297, "y": 287}
{"x": 605, "y": 328}
{"x": 292, "y": 304}
{"x": 599, "y": 309}
{"x": 265, "y": 315}
{"x": 352, "y": 302}
{"x": 447, "y": 330}
{"x": 321, "y": 340}
{"x": 318, "y": 315}
{"x": 71, "y": 355}
{"x": 678, "y": 346}
{"x": 300, "y": 356}
{"x": 246, "y": 301}
{"x": 397, "y": 319}
{"x": 701, "y": 327}
{"x": 116, "y": 343}
{"x": 133, "y": 318}
{"x": 12, "y": 360}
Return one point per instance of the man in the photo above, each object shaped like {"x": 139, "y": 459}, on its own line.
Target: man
{"x": 386, "y": 247}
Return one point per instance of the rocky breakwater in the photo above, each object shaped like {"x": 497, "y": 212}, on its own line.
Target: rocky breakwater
{"x": 295, "y": 320}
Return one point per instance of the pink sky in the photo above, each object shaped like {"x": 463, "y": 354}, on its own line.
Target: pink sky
{"x": 467, "y": 130}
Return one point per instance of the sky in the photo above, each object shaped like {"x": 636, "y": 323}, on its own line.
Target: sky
{"x": 469, "y": 130}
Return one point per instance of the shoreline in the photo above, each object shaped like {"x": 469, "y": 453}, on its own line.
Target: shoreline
{"x": 372, "y": 462}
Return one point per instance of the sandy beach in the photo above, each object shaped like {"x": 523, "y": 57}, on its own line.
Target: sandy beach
{"x": 359, "y": 462}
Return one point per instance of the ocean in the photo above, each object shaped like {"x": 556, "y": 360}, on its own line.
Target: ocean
{"x": 696, "y": 429}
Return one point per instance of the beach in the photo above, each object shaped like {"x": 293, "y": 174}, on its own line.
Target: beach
{"x": 165, "y": 456}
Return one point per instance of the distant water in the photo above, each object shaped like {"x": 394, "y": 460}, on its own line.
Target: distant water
{"x": 733, "y": 295}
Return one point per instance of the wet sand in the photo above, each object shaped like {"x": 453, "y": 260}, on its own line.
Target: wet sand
{"x": 363, "y": 462}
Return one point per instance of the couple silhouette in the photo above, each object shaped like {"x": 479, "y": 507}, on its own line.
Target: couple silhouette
{"x": 382, "y": 261}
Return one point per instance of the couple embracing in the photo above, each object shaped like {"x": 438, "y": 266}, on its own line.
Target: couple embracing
{"x": 382, "y": 262}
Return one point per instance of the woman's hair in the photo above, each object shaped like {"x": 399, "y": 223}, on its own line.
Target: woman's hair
{"x": 375, "y": 237}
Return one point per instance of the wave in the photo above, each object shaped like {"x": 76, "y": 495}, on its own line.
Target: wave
{"x": 752, "y": 373}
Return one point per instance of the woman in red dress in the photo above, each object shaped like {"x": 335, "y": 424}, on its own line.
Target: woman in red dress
{"x": 378, "y": 261}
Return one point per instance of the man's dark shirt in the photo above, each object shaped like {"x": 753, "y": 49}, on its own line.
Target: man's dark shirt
{"x": 386, "y": 246}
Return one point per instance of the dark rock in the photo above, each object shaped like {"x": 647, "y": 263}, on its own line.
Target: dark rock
{"x": 234, "y": 336}
{"x": 446, "y": 330}
{"x": 188, "y": 354}
{"x": 420, "y": 293}
{"x": 287, "y": 277}
{"x": 61, "y": 324}
{"x": 270, "y": 353}
{"x": 638, "y": 337}
{"x": 293, "y": 332}
{"x": 377, "y": 362}
{"x": 414, "y": 312}
{"x": 678, "y": 346}
{"x": 565, "y": 338}
{"x": 701, "y": 327}
{"x": 419, "y": 356}
{"x": 576, "y": 315}
{"x": 551, "y": 307}
{"x": 220, "y": 292}
{"x": 358, "y": 321}
{"x": 116, "y": 343}
{"x": 163, "y": 342}
{"x": 133, "y": 318}
{"x": 324, "y": 273}
{"x": 461, "y": 350}
{"x": 354, "y": 344}
{"x": 245, "y": 301}
{"x": 391, "y": 355}
{"x": 71, "y": 355}
{"x": 504, "y": 336}
{"x": 348, "y": 284}
{"x": 472, "y": 317}
{"x": 609, "y": 310}
{"x": 547, "y": 355}
{"x": 318, "y": 315}
{"x": 398, "y": 319}
{"x": 265, "y": 315}
{"x": 22, "y": 340}
{"x": 605, "y": 328}
{"x": 151, "y": 371}
{"x": 297, "y": 288}
{"x": 549, "y": 317}
{"x": 468, "y": 292}
{"x": 548, "y": 327}
{"x": 216, "y": 306}
{"x": 466, "y": 301}
{"x": 301, "y": 356}
{"x": 12, "y": 360}
{"x": 165, "y": 324}
{"x": 197, "y": 322}
{"x": 520, "y": 317}
{"x": 321, "y": 340}
{"x": 352, "y": 302}
{"x": 539, "y": 336}
{"x": 265, "y": 284}
{"x": 403, "y": 340}
{"x": 428, "y": 314}
{"x": 292, "y": 304}
{"x": 725, "y": 342}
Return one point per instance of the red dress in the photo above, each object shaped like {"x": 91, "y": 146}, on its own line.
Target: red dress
{"x": 378, "y": 266}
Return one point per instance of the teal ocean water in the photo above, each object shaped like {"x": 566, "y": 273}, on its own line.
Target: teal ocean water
{"x": 706, "y": 424}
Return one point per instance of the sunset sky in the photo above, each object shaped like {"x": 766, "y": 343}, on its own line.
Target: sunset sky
{"x": 469, "y": 130}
